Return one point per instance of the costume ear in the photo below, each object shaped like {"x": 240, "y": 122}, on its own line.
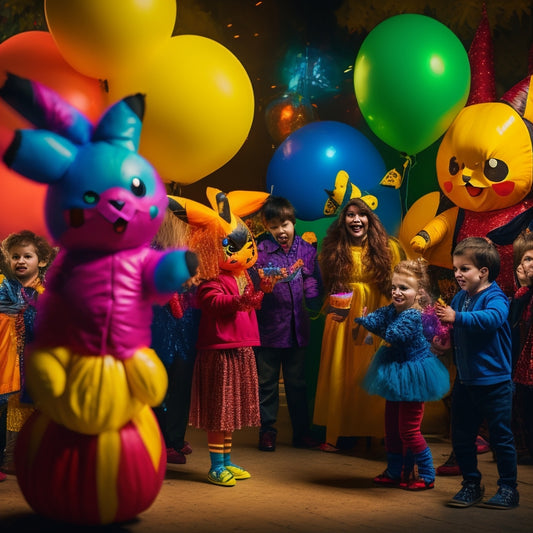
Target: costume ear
{"x": 192, "y": 212}
{"x": 45, "y": 108}
{"x": 122, "y": 123}
{"x": 520, "y": 98}
{"x": 220, "y": 203}
{"x": 244, "y": 203}
{"x": 40, "y": 155}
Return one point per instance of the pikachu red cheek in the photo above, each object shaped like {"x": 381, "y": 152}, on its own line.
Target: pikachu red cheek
{"x": 504, "y": 189}
{"x": 447, "y": 186}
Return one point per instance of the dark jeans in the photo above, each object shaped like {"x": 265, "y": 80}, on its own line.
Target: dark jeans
{"x": 291, "y": 361}
{"x": 173, "y": 413}
{"x": 470, "y": 405}
{"x": 524, "y": 411}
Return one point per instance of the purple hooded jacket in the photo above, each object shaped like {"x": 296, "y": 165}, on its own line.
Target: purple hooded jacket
{"x": 283, "y": 318}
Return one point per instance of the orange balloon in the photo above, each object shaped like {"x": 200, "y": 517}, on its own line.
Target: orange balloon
{"x": 34, "y": 55}
{"x": 21, "y": 204}
{"x": 22, "y": 200}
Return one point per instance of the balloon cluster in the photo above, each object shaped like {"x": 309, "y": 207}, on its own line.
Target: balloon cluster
{"x": 200, "y": 101}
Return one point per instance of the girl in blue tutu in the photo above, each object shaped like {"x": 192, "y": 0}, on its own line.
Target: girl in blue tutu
{"x": 406, "y": 373}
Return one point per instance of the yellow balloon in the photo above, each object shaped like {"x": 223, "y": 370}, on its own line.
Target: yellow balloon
{"x": 199, "y": 107}
{"x": 100, "y": 38}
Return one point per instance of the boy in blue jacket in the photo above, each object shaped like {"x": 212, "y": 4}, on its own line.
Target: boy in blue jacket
{"x": 288, "y": 271}
{"x": 483, "y": 386}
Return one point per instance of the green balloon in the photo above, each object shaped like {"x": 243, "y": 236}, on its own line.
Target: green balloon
{"x": 411, "y": 79}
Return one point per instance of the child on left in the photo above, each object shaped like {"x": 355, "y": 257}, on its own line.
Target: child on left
{"x": 406, "y": 373}
{"x": 26, "y": 257}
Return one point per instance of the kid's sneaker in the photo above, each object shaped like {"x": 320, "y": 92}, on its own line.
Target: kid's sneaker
{"x": 471, "y": 493}
{"x": 506, "y": 498}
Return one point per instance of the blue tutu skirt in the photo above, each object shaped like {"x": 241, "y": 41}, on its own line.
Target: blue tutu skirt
{"x": 420, "y": 378}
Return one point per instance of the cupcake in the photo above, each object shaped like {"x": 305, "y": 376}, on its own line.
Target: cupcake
{"x": 341, "y": 300}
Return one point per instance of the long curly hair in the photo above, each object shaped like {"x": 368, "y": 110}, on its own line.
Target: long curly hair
{"x": 335, "y": 257}
{"x": 206, "y": 243}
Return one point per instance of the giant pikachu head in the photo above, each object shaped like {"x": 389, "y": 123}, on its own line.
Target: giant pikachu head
{"x": 485, "y": 160}
{"x": 232, "y": 241}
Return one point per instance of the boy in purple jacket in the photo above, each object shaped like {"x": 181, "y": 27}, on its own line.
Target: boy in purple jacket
{"x": 288, "y": 269}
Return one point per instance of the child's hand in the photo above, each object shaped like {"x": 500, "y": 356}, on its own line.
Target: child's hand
{"x": 267, "y": 284}
{"x": 440, "y": 346}
{"x": 336, "y": 317}
{"x": 445, "y": 313}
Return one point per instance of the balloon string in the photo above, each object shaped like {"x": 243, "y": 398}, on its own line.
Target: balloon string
{"x": 409, "y": 162}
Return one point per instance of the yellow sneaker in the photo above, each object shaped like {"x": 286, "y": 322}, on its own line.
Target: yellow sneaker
{"x": 238, "y": 472}
{"x": 221, "y": 477}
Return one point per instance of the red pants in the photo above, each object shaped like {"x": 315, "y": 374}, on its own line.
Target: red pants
{"x": 402, "y": 427}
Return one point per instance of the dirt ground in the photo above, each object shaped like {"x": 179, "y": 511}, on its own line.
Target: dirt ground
{"x": 295, "y": 490}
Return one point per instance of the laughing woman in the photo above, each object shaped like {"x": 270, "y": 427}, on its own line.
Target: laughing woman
{"x": 356, "y": 261}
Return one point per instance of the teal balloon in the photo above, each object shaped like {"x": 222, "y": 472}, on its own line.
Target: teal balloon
{"x": 411, "y": 78}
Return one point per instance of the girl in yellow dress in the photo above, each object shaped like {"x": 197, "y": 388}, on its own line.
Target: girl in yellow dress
{"x": 356, "y": 261}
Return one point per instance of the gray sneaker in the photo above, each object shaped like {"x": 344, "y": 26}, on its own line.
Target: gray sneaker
{"x": 506, "y": 498}
{"x": 471, "y": 493}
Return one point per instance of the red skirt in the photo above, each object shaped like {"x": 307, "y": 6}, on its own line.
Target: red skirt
{"x": 225, "y": 390}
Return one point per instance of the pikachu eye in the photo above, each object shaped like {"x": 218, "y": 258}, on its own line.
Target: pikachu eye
{"x": 454, "y": 167}
{"x": 495, "y": 169}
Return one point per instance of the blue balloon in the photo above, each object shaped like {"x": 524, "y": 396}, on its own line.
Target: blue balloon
{"x": 305, "y": 169}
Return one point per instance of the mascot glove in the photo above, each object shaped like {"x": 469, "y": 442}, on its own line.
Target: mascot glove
{"x": 418, "y": 244}
{"x": 250, "y": 299}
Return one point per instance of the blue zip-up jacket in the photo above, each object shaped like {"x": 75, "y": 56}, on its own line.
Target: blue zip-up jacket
{"x": 482, "y": 337}
{"x": 283, "y": 318}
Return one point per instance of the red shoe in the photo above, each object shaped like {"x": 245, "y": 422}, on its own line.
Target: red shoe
{"x": 482, "y": 446}
{"x": 327, "y": 447}
{"x": 3, "y": 477}
{"x": 175, "y": 457}
{"x": 385, "y": 480}
{"x": 449, "y": 468}
{"x": 186, "y": 450}
{"x": 267, "y": 441}
{"x": 418, "y": 484}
